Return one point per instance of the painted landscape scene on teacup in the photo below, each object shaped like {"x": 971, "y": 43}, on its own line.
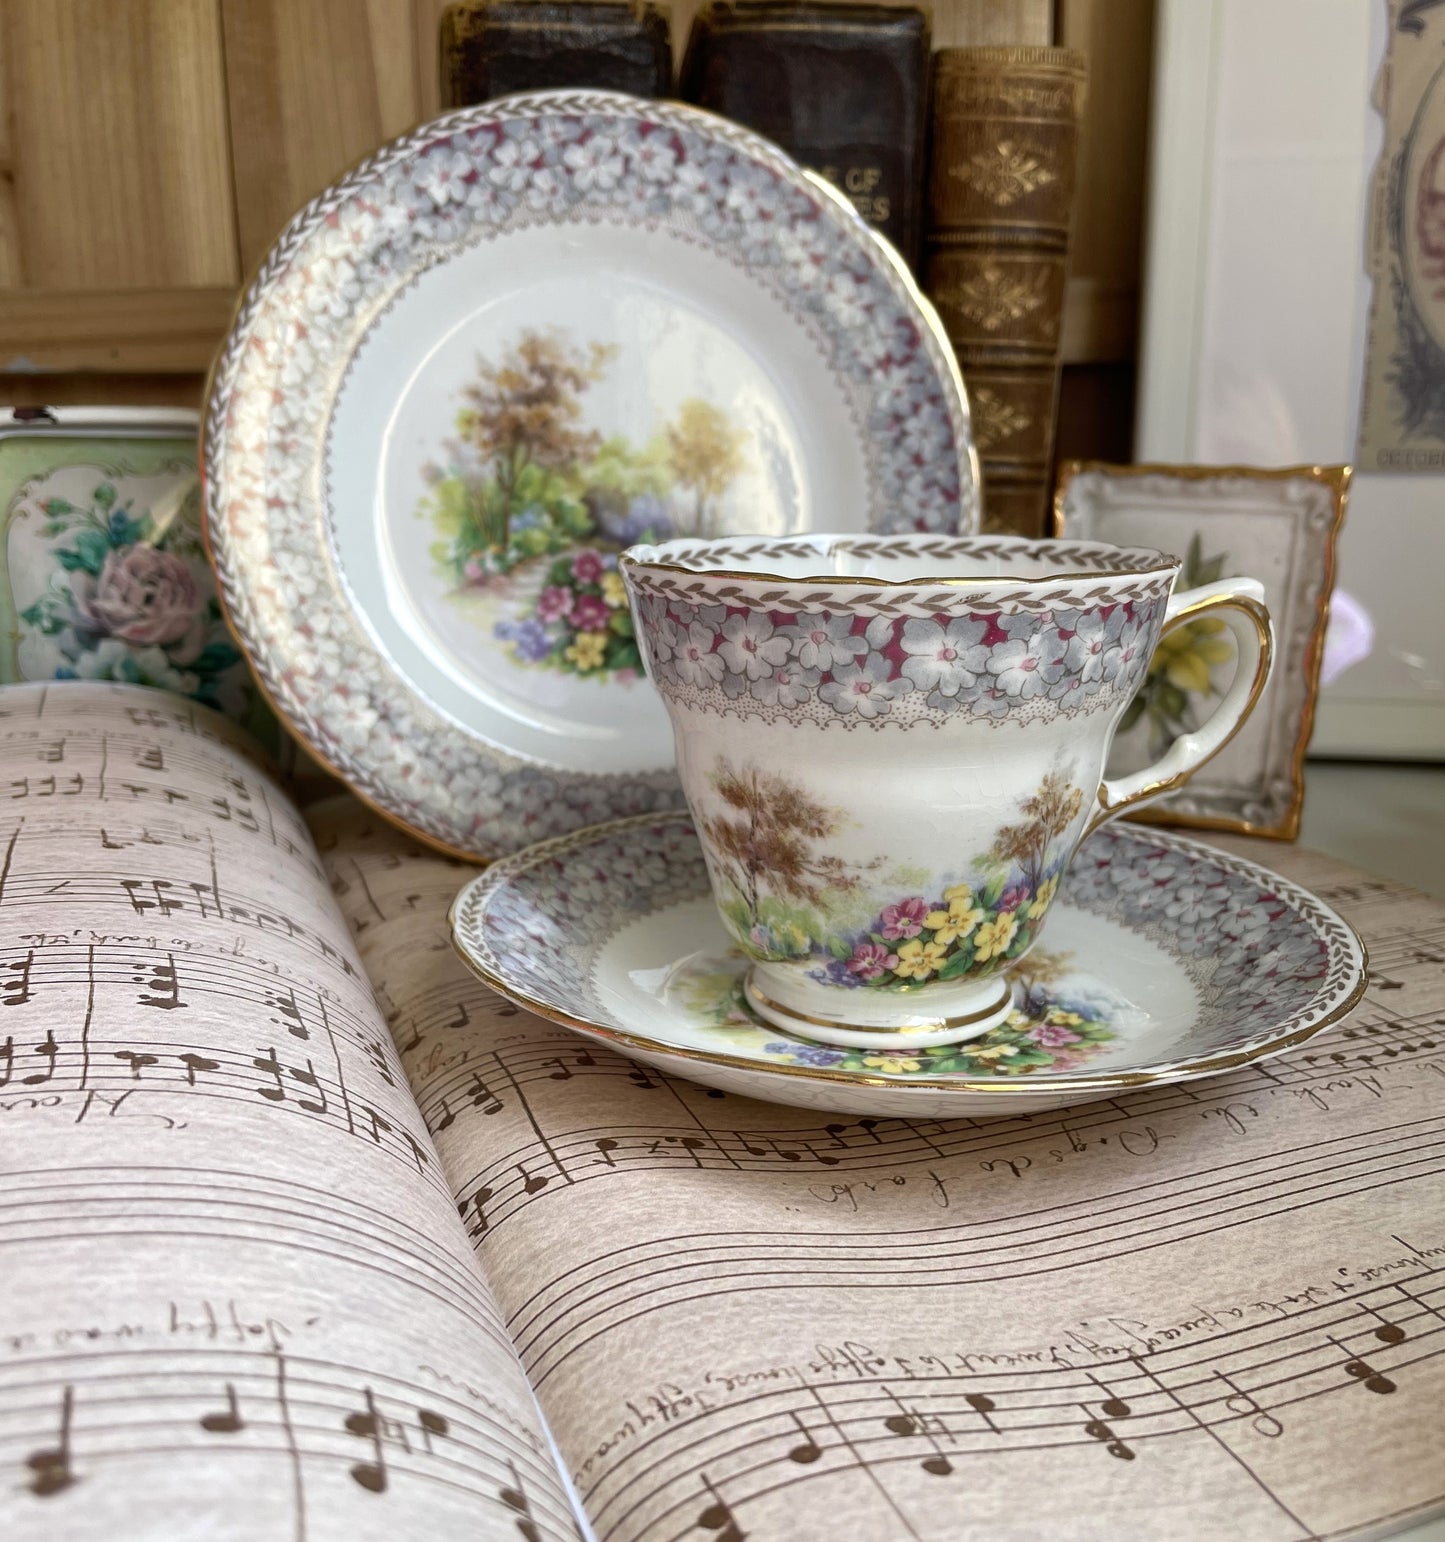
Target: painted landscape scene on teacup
{"x": 536, "y": 498}
{"x": 791, "y": 898}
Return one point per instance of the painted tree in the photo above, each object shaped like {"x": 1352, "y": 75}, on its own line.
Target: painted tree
{"x": 526, "y": 410}
{"x": 765, "y": 840}
{"x": 706, "y": 453}
{"x": 1048, "y": 814}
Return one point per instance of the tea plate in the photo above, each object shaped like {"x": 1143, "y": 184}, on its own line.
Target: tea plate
{"x": 1164, "y": 960}
{"x": 496, "y": 353}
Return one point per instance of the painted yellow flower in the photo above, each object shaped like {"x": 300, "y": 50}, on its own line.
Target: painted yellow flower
{"x": 1064, "y": 1019}
{"x": 918, "y": 959}
{"x": 1184, "y": 656}
{"x": 958, "y": 920}
{"x": 587, "y": 651}
{"x": 614, "y": 591}
{"x": 1045, "y": 897}
{"x": 994, "y": 1051}
{"x": 995, "y": 936}
{"x": 894, "y": 1063}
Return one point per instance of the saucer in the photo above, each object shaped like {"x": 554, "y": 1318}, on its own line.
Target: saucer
{"x": 495, "y": 354}
{"x": 1163, "y": 960}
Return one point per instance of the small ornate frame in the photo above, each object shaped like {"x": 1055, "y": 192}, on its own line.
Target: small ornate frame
{"x": 1293, "y": 516}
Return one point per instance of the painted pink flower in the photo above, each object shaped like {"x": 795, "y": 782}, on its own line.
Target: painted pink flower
{"x": 905, "y": 919}
{"x": 590, "y": 614}
{"x": 587, "y": 567}
{"x": 554, "y": 603}
{"x": 473, "y": 572}
{"x": 146, "y": 597}
{"x": 1053, "y": 1035}
{"x": 870, "y": 960}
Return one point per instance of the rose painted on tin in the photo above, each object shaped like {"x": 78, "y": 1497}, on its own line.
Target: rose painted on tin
{"x": 146, "y": 597}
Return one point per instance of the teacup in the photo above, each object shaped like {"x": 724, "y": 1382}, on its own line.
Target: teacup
{"x": 893, "y": 745}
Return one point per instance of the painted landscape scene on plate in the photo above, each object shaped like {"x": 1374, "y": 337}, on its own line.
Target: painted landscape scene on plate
{"x": 531, "y": 501}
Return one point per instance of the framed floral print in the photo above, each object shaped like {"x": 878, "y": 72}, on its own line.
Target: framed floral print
{"x": 105, "y": 575}
{"x": 1279, "y": 526}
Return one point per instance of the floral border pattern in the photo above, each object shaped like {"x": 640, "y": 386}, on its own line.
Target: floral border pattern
{"x": 527, "y": 160}
{"x": 1269, "y": 959}
{"x": 843, "y": 669}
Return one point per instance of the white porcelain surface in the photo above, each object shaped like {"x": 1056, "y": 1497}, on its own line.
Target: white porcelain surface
{"x": 1165, "y": 961}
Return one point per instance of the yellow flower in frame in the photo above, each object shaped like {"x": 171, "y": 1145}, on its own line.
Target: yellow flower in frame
{"x": 893, "y": 1063}
{"x": 1063, "y": 1019}
{"x": 918, "y": 959}
{"x": 587, "y": 651}
{"x": 614, "y": 591}
{"x": 958, "y": 920}
{"x": 1185, "y": 655}
{"x": 1045, "y": 896}
{"x": 994, "y": 1051}
{"x": 995, "y": 936}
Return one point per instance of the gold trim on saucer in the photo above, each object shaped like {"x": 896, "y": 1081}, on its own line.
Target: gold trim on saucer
{"x": 1001, "y": 1087}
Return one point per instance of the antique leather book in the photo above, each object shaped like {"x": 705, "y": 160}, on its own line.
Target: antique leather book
{"x": 1001, "y": 192}
{"x": 532, "y": 45}
{"x": 842, "y": 88}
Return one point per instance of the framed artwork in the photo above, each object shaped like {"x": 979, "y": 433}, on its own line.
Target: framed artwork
{"x": 1280, "y": 527}
{"x": 1276, "y": 185}
{"x": 103, "y": 571}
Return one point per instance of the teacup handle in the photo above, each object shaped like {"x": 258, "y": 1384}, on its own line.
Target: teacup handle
{"x": 1239, "y": 603}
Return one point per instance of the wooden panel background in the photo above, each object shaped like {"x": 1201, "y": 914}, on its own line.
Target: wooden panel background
{"x": 151, "y": 151}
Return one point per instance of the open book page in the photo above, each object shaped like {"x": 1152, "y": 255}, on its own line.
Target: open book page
{"x": 237, "y": 1300}
{"x": 1212, "y": 1310}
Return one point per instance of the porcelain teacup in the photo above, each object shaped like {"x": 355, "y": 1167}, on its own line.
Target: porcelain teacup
{"x": 893, "y": 745}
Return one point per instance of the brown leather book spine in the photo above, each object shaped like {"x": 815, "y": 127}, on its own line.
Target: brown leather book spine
{"x": 1001, "y": 193}
{"x": 489, "y": 50}
{"x": 842, "y": 88}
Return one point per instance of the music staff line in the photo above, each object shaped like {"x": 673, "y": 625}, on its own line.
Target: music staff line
{"x": 378, "y": 1425}
{"x": 1042, "y": 1389}
{"x": 217, "y": 1202}
{"x": 1088, "y": 1408}
{"x": 545, "y": 1343}
{"x": 837, "y": 1149}
{"x": 153, "y": 900}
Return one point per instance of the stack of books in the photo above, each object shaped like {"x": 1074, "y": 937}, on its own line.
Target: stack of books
{"x": 963, "y": 158}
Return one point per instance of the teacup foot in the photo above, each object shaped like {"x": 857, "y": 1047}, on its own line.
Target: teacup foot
{"x": 944, "y": 1016}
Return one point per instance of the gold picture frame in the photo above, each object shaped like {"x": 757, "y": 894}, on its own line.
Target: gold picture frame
{"x": 1280, "y": 525}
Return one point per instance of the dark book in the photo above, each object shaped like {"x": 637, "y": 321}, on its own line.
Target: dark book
{"x": 842, "y": 88}
{"x": 1005, "y": 136}
{"x": 532, "y": 45}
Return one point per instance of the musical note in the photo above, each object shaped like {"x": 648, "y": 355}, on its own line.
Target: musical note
{"x": 908, "y": 1421}
{"x": 164, "y": 984}
{"x": 1246, "y": 1406}
{"x": 808, "y": 1450}
{"x": 1097, "y": 1429}
{"x": 50, "y": 1467}
{"x": 369, "y": 1475}
{"x": 135, "y": 1061}
{"x": 532, "y": 1183}
{"x": 1365, "y": 1373}
{"x": 478, "y": 1204}
{"x": 563, "y": 1072}
{"x": 462, "y": 1018}
{"x": 194, "y": 1063}
{"x": 291, "y": 1018}
{"x": 606, "y": 1145}
{"x": 983, "y": 1406}
{"x": 432, "y": 1426}
{"x": 48, "y": 1051}
{"x": 16, "y": 990}
{"x": 482, "y": 1096}
{"x": 277, "y": 1094}
{"x": 228, "y": 1422}
{"x": 639, "y": 1077}
{"x": 515, "y": 1499}
{"x": 716, "y": 1516}
{"x": 1112, "y": 1407}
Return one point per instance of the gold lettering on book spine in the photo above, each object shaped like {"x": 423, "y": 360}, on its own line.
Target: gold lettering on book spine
{"x": 1000, "y": 200}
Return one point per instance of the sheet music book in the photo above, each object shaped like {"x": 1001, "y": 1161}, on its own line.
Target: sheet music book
{"x": 305, "y": 1234}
